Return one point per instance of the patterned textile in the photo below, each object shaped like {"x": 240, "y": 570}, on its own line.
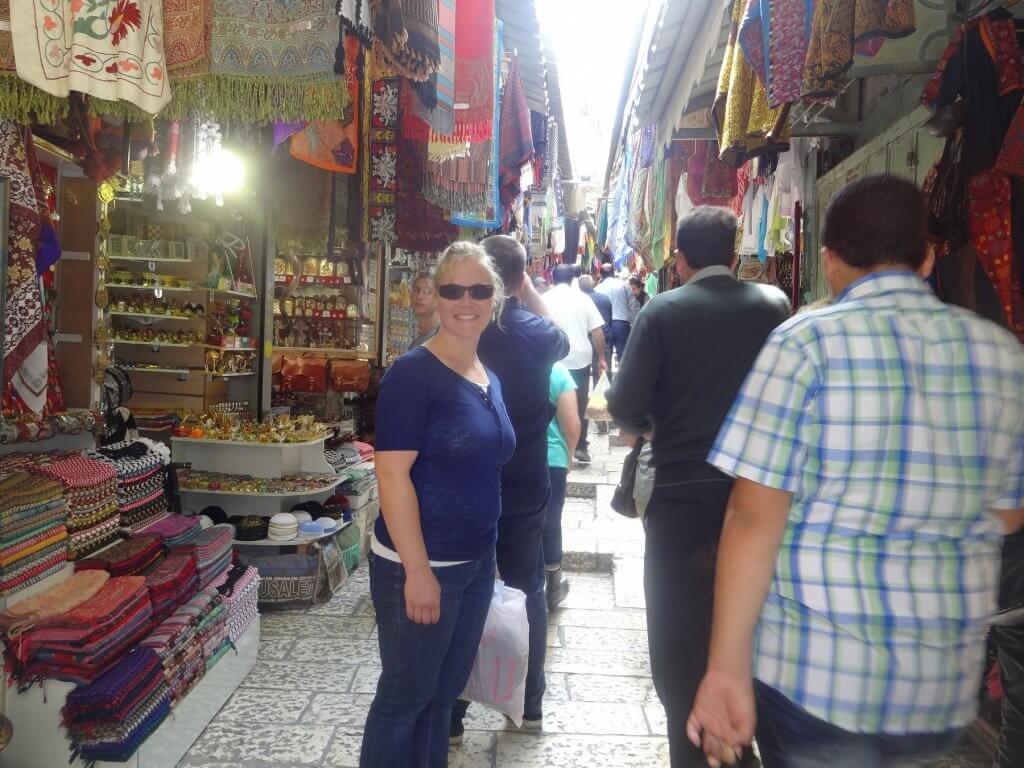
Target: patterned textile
{"x": 110, "y": 49}
{"x": 475, "y": 76}
{"x": 268, "y": 61}
{"x": 867, "y": 412}
{"x": 437, "y": 108}
{"x": 173, "y": 582}
{"x": 405, "y": 33}
{"x": 515, "y": 134}
{"x": 126, "y": 558}
{"x": 379, "y": 177}
{"x": 1011, "y": 156}
{"x": 24, "y": 324}
{"x": 88, "y": 540}
{"x": 187, "y": 26}
{"x": 175, "y": 530}
{"x": 33, "y": 531}
{"x": 647, "y": 145}
{"x": 55, "y": 601}
{"x": 420, "y": 226}
{"x": 1000, "y": 38}
{"x": 989, "y": 218}
{"x": 289, "y": 579}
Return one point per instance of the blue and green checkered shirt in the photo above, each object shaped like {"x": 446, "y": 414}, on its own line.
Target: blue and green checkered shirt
{"x": 897, "y": 423}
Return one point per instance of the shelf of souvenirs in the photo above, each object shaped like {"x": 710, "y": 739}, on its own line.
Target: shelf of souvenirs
{"x": 316, "y": 280}
{"x": 157, "y": 343}
{"x": 299, "y": 538}
{"x": 342, "y": 354}
{"x": 226, "y": 373}
{"x": 148, "y": 309}
{"x": 225, "y": 484}
{"x": 135, "y": 249}
{"x": 156, "y": 289}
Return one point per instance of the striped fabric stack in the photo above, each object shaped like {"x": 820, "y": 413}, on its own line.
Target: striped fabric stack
{"x": 126, "y": 558}
{"x": 91, "y": 487}
{"x": 176, "y": 530}
{"x": 33, "y": 532}
{"x": 172, "y": 584}
{"x": 141, "y": 493}
{"x": 212, "y": 551}
{"x": 240, "y": 588}
{"x": 79, "y": 645}
{"x": 109, "y": 719}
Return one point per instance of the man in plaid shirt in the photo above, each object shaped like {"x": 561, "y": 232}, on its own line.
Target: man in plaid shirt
{"x": 878, "y": 447}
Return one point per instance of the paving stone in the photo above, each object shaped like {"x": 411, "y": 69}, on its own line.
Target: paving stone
{"x": 590, "y": 591}
{"x": 262, "y": 746}
{"x": 366, "y": 679}
{"x": 604, "y": 688}
{"x": 347, "y": 710}
{"x": 296, "y": 624}
{"x": 275, "y": 648}
{"x": 587, "y": 561}
{"x": 335, "y": 649}
{"x": 517, "y": 750}
{"x": 599, "y": 718}
{"x": 260, "y": 705}
{"x": 603, "y": 638}
{"x": 594, "y": 662}
{"x": 583, "y": 489}
{"x": 628, "y": 578}
{"x": 618, "y": 619}
{"x": 476, "y": 751}
{"x": 656, "y": 718}
{"x": 344, "y": 749}
{"x": 291, "y": 676}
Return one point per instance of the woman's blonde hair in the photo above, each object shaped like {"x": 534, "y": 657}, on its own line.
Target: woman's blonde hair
{"x": 467, "y": 251}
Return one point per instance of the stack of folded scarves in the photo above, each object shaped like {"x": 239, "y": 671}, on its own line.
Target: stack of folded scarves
{"x": 33, "y": 530}
{"x": 172, "y": 584}
{"x": 178, "y": 643}
{"x": 141, "y": 493}
{"x": 212, "y": 634}
{"x": 212, "y": 551}
{"x": 79, "y": 645}
{"x": 91, "y": 485}
{"x": 111, "y": 717}
{"x": 57, "y": 600}
{"x": 176, "y": 530}
{"x": 240, "y": 590}
{"x": 126, "y": 558}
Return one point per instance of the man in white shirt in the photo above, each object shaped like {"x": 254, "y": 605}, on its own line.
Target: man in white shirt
{"x": 618, "y": 292}
{"x": 582, "y": 322}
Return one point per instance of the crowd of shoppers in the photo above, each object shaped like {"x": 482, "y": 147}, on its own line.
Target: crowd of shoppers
{"x": 831, "y": 492}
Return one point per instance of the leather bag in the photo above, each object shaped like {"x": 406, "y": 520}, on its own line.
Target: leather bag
{"x": 350, "y": 375}
{"x": 304, "y": 373}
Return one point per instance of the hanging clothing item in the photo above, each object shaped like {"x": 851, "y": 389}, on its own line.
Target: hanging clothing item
{"x": 405, "y": 37}
{"x": 475, "y": 74}
{"x": 187, "y": 27}
{"x": 515, "y": 134}
{"x": 436, "y": 103}
{"x": 380, "y": 169}
{"x": 419, "y": 226}
{"x": 709, "y": 181}
{"x": 113, "y": 53}
{"x": 990, "y": 224}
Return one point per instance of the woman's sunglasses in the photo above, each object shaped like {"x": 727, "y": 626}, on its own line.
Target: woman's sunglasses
{"x": 454, "y": 291}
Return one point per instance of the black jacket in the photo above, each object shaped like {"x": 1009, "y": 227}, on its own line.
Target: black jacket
{"x": 686, "y": 358}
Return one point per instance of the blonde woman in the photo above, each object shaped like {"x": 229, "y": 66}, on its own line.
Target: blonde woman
{"x": 443, "y": 434}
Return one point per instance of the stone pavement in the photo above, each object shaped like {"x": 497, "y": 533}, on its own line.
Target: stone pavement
{"x": 305, "y": 702}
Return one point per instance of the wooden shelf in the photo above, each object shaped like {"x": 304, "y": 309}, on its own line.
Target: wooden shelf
{"x": 158, "y": 344}
{"x": 239, "y": 375}
{"x": 155, "y": 317}
{"x": 178, "y": 289}
{"x": 174, "y": 371}
{"x": 347, "y": 354}
{"x": 235, "y": 294}
{"x": 279, "y": 495}
{"x": 146, "y": 260}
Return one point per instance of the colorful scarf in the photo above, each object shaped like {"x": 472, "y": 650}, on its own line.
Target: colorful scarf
{"x": 379, "y": 176}
{"x": 475, "y": 75}
{"x": 990, "y": 221}
{"x": 421, "y": 226}
{"x": 110, "y": 49}
{"x": 1011, "y": 156}
{"x": 405, "y": 33}
{"x": 515, "y": 133}
{"x": 187, "y": 27}
{"x": 436, "y": 102}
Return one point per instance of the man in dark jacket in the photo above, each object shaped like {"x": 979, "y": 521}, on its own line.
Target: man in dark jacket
{"x": 520, "y": 349}
{"x": 687, "y": 357}
{"x": 604, "y": 306}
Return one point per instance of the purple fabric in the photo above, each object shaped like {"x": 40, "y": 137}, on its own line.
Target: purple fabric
{"x": 48, "y": 250}
{"x": 284, "y": 131}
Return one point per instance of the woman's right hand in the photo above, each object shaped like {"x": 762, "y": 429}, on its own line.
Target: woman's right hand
{"x": 422, "y": 596}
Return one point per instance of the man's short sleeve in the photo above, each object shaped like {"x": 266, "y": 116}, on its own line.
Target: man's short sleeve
{"x": 594, "y": 319}
{"x": 402, "y": 406}
{"x": 762, "y": 439}
{"x": 1013, "y": 493}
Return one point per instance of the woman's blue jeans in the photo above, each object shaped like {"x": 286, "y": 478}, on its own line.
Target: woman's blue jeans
{"x": 424, "y": 666}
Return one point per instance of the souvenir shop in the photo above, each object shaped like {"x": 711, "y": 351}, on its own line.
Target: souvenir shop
{"x": 210, "y": 235}
{"x": 929, "y": 92}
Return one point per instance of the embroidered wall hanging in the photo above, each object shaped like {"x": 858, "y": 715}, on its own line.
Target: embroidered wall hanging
{"x": 381, "y": 168}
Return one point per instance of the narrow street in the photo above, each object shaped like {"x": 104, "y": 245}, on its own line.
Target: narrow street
{"x": 305, "y": 702}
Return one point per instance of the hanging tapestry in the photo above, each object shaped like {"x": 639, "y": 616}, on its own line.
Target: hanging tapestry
{"x": 379, "y": 174}
{"x": 420, "y": 225}
{"x": 437, "y": 96}
{"x": 1011, "y": 156}
{"x": 475, "y": 76}
{"x": 25, "y": 355}
{"x": 405, "y": 37}
{"x": 110, "y": 49}
{"x": 187, "y": 25}
{"x": 332, "y": 144}
{"x": 515, "y": 134}
{"x": 989, "y": 217}
{"x": 539, "y": 129}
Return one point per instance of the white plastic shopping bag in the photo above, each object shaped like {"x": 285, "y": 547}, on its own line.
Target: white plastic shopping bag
{"x": 498, "y": 678}
{"x": 597, "y": 406}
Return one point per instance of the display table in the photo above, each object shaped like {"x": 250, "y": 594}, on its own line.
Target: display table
{"x": 40, "y": 740}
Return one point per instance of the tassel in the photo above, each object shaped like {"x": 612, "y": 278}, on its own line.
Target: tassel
{"x": 339, "y": 51}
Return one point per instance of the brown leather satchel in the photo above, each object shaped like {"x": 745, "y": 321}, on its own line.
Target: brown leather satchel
{"x": 350, "y": 375}
{"x": 304, "y": 373}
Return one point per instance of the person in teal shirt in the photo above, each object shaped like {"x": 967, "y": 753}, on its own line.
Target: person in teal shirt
{"x": 563, "y": 434}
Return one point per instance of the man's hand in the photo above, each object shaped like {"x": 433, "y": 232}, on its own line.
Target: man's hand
{"x": 602, "y": 366}
{"x": 422, "y": 597}
{"x": 723, "y": 718}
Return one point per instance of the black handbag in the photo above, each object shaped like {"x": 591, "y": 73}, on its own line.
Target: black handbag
{"x": 622, "y": 499}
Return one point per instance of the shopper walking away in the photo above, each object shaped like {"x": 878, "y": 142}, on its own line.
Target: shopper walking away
{"x": 604, "y": 306}
{"x": 424, "y": 306}
{"x": 443, "y": 435}
{"x": 563, "y": 434}
{"x": 637, "y": 298}
{"x": 520, "y": 347}
{"x": 877, "y": 446}
{"x": 686, "y": 359}
{"x": 578, "y": 317}
{"x": 1009, "y": 643}
{"x": 617, "y": 291}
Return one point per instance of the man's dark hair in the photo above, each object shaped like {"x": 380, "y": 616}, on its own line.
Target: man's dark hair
{"x": 877, "y": 220}
{"x": 509, "y": 258}
{"x": 577, "y": 270}
{"x": 706, "y": 236}
{"x": 563, "y": 273}
{"x": 607, "y": 270}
